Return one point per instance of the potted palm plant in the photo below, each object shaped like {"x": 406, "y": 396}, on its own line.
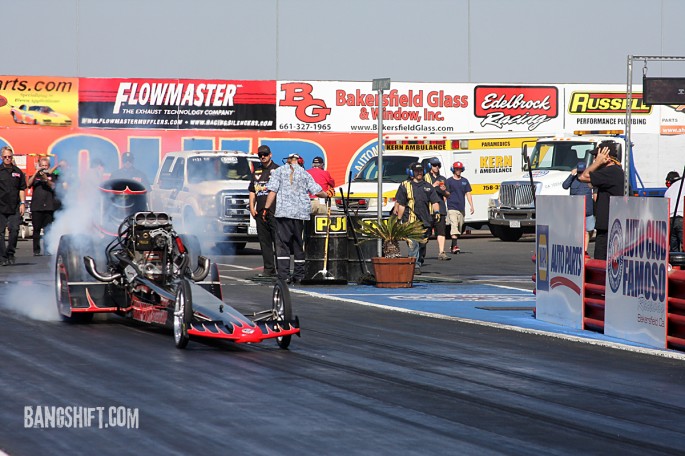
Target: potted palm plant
{"x": 392, "y": 270}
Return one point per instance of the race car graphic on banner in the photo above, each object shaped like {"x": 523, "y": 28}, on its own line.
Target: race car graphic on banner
{"x": 177, "y": 104}
{"x": 40, "y": 101}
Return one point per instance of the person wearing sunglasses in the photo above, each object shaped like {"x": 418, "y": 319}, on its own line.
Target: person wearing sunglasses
{"x": 12, "y": 204}
{"x": 266, "y": 226}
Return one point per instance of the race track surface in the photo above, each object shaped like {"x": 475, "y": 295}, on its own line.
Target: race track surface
{"x": 360, "y": 380}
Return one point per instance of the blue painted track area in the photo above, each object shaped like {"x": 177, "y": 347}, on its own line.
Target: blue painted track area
{"x": 477, "y": 303}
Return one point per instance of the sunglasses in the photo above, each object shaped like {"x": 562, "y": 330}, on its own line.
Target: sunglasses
{"x": 438, "y": 165}
{"x": 264, "y": 154}
{"x": 6, "y": 156}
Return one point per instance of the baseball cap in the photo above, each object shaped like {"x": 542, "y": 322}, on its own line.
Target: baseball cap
{"x": 416, "y": 167}
{"x": 263, "y": 150}
{"x": 293, "y": 156}
{"x": 671, "y": 177}
{"x": 581, "y": 167}
{"x": 458, "y": 165}
{"x": 127, "y": 157}
{"x": 318, "y": 161}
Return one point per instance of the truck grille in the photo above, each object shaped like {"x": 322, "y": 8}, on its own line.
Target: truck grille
{"x": 234, "y": 207}
{"x": 516, "y": 194}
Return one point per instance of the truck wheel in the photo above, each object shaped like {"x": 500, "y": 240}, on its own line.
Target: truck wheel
{"x": 506, "y": 234}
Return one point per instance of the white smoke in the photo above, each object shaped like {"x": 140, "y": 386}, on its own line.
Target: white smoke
{"x": 31, "y": 299}
{"x": 81, "y": 200}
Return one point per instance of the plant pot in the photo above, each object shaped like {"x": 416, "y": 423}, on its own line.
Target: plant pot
{"x": 394, "y": 272}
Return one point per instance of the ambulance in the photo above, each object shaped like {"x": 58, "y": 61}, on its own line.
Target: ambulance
{"x": 488, "y": 158}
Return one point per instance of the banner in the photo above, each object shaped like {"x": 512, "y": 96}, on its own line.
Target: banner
{"x": 45, "y": 101}
{"x": 177, "y": 104}
{"x": 560, "y": 260}
{"x": 637, "y": 270}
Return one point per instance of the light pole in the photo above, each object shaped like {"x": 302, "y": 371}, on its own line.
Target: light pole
{"x": 380, "y": 85}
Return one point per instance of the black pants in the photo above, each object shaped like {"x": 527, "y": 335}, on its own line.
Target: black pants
{"x": 40, "y": 220}
{"x": 11, "y": 221}
{"x": 676, "y": 234}
{"x": 266, "y": 232}
{"x": 289, "y": 242}
{"x": 601, "y": 244}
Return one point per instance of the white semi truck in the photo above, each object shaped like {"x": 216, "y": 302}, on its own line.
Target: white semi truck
{"x": 512, "y": 209}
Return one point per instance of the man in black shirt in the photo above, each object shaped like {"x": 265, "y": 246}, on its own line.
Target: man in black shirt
{"x": 266, "y": 229}
{"x": 606, "y": 175}
{"x": 12, "y": 204}
{"x": 419, "y": 197}
{"x": 43, "y": 201}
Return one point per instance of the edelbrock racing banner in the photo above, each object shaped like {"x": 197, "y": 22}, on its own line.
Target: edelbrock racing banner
{"x": 177, "y": 104}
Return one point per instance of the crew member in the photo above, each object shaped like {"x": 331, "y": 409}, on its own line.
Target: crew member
{"x": 266, "y": 225}
{"x": 324, "y": 179}
{"x": 290, "y": 187}
{"x": 12, "y": 204}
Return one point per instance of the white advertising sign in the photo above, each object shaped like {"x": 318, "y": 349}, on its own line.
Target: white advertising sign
{"x": 603, "y": 107}
{"x": 560, "y": 271}
{"x": 636, "y": 274}
{"x": 417, "y": 108}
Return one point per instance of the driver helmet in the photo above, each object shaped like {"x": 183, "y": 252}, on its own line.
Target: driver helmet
{"x": 119, "y": 199}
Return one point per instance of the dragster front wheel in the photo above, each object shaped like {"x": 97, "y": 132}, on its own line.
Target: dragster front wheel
{"x": 281, "y": 309}
{"x": 183, "y": 313}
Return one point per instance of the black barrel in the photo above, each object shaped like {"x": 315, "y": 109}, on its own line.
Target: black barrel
{"x": 315, "y": 245}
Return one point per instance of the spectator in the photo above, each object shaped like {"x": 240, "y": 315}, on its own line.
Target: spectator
{"x": 12, "y": 204}
{"x": 325, "y": 181}
{"x": 606, "y": 175}
{"x": 458, "y": 191}
{"x": 583, "y": 189}
{"x": 434, "y": 177}
{"x": 289, "y": 187}
{"x": 266, "y": 225}
{"x": 128, "y": 171}
{"x": 44, "y": 202}
{"x": 422, "y": 200}
{"x": 674, "y": 194}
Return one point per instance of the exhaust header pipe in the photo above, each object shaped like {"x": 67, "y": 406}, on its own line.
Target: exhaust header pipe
{"x": 92, "y": 270}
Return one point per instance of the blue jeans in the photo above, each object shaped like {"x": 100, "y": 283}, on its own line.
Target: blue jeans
{"x": 418, "y": 249}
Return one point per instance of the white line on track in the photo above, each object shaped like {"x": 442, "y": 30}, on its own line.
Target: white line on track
{"x": 235, "y": 266}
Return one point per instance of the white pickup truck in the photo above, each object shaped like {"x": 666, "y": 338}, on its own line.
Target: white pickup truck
{"x": 205, "y": 192}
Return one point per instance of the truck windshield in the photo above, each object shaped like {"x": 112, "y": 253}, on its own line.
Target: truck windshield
{"x": 394, "y": 169}
{"x": 562, "y": 156}
{"x": 202, "y": 169}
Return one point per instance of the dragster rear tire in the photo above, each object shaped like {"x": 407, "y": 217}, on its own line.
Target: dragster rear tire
{"x": 69, "y": 267}
{"x": 282, "y": 309}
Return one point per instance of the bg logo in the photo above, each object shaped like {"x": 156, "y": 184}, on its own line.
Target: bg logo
{"x": 307, "y": 108}
{"x": 338, "y": 224}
